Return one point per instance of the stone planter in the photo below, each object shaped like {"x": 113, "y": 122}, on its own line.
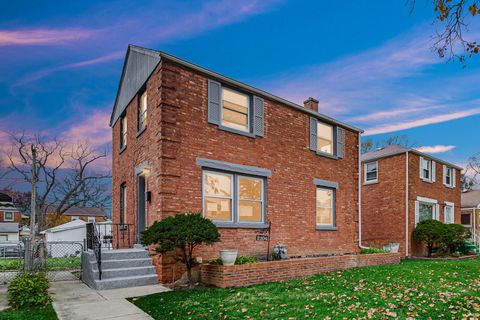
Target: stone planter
{"x": 228, "y": 257}
{"x": 392, "y": 247}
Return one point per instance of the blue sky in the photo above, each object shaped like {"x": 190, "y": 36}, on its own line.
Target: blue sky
{"x": 368, "y": 62}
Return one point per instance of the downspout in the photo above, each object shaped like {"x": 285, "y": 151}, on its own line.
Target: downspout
{"x": 406, "y": 206}
{"x": 360, "y": 193}
{"x": 474, "y": 224}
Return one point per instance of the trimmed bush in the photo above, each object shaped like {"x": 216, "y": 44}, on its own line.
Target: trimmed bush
{"x": 373, "y": 250}
{"x": 454, "y": 237}
{"x": 429, "y": 232}
{"x": 28, "y": 290}
{"x": 181, "y": 234}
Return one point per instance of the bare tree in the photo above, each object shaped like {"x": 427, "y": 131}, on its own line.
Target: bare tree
{"x": 472, "y": 171}
{"x": 66, "y": 174}
{"x": 370, "y": 144}
{"x": 453, "y": 15}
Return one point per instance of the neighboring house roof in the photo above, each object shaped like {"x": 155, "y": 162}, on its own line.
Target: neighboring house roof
{"x": 75, "y": 224}
{"x": 84, "y": 212}
{"x": 9, "y": 227}
{"x": 396, "y": 149}
{"x": 471, "y": 199}
{"x": 140, "y": 62}
{"x": 6, "y": 201}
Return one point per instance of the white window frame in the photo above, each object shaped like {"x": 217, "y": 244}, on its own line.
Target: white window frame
{"x": 430, "y": 167}
{"x": 424, "y": 200}
{"x": 5, "y": 216}
{"x": 452, "y": 176}
{"x": 365, "y": 167}
{"x": 334, "y": 213}
{"x": 123, "y": 204}
{"x": 4, "y": 235}
{"x": 448, "y": 205}
{"x": 123, "y": 131}
{"x": 235, "y": 197}
{"x": 222, "y": 124}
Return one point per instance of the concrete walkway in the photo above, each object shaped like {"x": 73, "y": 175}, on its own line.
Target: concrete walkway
{"x": 3, "y": 298}
{"x": 73, "y": 300}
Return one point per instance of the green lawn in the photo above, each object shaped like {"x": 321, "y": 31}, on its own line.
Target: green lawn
{"x": 415, "y": 289}
{"x": 51, "y": 264}
{"x": 34, "y": 313}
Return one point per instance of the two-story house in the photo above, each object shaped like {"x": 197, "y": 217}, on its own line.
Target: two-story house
{"x": 10, "y": 218}
{"x": 186, "y": 138}
{"x": 401, "y": 187}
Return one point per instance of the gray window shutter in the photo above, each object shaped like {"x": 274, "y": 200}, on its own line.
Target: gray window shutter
{"x": 214, "y": 102}
{"x": 258, "y": 116}
{"x": 340, "y": 142}
{"x": 313, "y": 134}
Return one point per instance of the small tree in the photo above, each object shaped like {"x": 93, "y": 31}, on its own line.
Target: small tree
{"x": 182, "y": 233}
{"x": 429, "y": 232}
{"x": 454, "y": 237}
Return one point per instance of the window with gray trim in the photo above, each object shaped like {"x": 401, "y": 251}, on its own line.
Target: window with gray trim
{"x": 123, "y": 203}
{"x": 8, "y": 216}
{"x": 325, "y": 207}
{"x": 123, "y": 131}
{"x": 233, "y": 198}
{"x": 326, "y": 139}
{"x": 371, "y": 172}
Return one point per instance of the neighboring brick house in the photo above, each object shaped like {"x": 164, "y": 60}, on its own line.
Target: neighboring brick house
{"x": 8, "y": 211}
{"x": 189, "y": 139}
{"x": 470, "y": 215}
{"x": 395, "y": 176}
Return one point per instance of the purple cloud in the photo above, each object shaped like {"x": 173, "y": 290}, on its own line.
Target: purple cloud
{"x": 42, "y": 36}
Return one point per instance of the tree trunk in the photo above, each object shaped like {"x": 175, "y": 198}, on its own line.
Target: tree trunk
{"x": 189, "y": 276}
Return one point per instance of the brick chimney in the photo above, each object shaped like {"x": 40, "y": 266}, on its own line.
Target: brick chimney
{"x": 311, "y": 103}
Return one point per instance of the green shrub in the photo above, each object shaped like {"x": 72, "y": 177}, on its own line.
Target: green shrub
{"x": 181, "y": 234}
{"x": 454, "y": 237}
{"x": 373, "y": 250}
{"x": 27, "y": 290}
{"x": 429, "y": 232}
{"x": 239, "y": 260}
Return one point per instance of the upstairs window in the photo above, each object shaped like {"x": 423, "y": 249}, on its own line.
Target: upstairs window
{"x": 449, "y": 176}
{"x": 142, "y": 111}
{"x": 324, "y": 138}
{"x": 427, "y": 169}
{"x": 123, "y": 203}
{"x": 371, "y": 172}
{"x": 8, "y": 216}
{"x": 123, "y": 131}
{"x": 235, "y": 110}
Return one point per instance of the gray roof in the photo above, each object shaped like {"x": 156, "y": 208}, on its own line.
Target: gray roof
{"x": 10, "y": 227}
{"x": 471, "y": 199}
{"x": 396, "y": 149}
{"x": 140, "y": 62}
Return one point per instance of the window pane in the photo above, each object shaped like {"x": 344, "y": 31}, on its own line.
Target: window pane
{"x": 236, "y": 98}
{"x": 448, "y": 214}
{"x": 144, "y": 102}
{"x": 235, "y": 119}
{"x": 250, "y": 210}
{"x": 217, "y": 184}
{"x": 218, "y": 209}
{"x": 465, "y": 219}
{"x": 324, "y": 214}
{"x": 425, "y": 212}
{"x": 325, "y": 138}
{"x": 250, "y": 188}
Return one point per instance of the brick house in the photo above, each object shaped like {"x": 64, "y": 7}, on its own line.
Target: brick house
{"x": 470, "y": 214}
{"x": 401, "y": 187}
{"x": 10, "y": 217}
{"x": 186, "y": 138}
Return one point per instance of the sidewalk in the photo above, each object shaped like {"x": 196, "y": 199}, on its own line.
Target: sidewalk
{"x": 73, "y": 300}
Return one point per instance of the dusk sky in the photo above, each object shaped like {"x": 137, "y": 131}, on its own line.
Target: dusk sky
{"x": 369, "y": 63}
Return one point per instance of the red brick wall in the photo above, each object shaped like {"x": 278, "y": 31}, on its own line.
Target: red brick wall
{"x": 383, "y": 204}
{"x": 178, "y": 133}
{"x": 273, "y": 271}
{"x": 17, "y": 217}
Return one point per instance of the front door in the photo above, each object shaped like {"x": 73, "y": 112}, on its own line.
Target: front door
{"x": 141, "y": 212}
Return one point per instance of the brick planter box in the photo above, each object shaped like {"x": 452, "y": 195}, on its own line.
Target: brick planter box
{"x": 274, "y": 271}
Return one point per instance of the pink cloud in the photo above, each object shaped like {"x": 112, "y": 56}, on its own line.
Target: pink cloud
{"x": 435, "y": 149}
{"x": 42, "y": 36}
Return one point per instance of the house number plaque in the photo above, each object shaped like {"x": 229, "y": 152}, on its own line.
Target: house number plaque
{"x": 262, "y": 238}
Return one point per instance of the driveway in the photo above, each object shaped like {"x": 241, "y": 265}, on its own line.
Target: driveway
{"x": 73, "y": 300}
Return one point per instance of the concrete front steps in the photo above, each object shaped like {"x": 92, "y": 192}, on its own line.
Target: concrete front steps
{"x": 121, "y": 268}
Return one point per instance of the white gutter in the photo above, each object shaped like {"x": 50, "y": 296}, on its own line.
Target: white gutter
{"x": 406, "y": 206}
{"x": 360, "y": 193}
